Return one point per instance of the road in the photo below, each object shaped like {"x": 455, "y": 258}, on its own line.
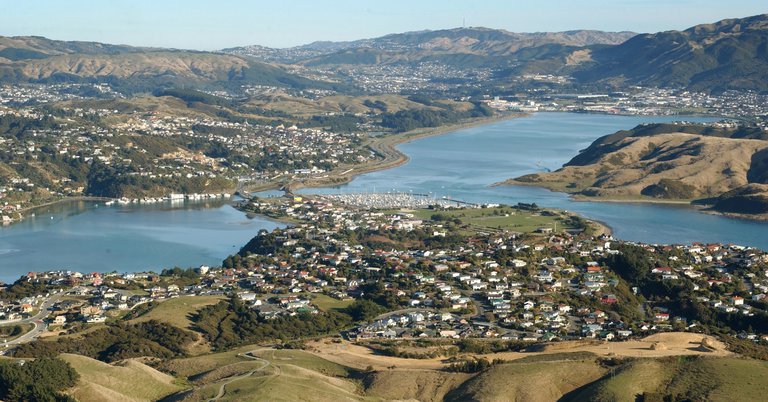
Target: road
{"x": 39, "y": 325}
{"x": 222, "y": 390}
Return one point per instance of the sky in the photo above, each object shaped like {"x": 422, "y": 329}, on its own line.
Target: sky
{"x": 217, "y": 24}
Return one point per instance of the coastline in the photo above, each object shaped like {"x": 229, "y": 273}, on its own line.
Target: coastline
{"x": 386, "y": 145}
{"x": 686, "y": 203}
{"x": 63, "y": 200}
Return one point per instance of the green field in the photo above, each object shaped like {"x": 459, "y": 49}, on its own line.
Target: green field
{"x": 327, "y": 303}
{"x": 501, "y": 218}
{"x": 179, "y": 311}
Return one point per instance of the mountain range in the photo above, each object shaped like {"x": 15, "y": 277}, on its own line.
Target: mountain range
{"x": 421, "y": 46}
{"x": 729, "y": 54}
{"x": 133, "y": 69}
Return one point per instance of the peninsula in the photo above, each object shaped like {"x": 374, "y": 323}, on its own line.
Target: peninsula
{"x": 721, "y": 165}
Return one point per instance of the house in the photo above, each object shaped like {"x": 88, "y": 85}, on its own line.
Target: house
{"x": 59, "y": 320}
{"x": 609, "y": 299}
{"x": 96, "y": 319}
{"x": 247, "y": 296}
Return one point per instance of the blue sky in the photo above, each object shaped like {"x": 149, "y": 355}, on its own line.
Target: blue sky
{"x": 208, "y": 25}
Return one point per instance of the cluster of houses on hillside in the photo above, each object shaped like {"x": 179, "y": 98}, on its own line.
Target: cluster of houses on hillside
{"x": 496, "y": 284}
{"x": 266, "y": 153}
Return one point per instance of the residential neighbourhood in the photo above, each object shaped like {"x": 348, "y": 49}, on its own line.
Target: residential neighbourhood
{"x": 438, "y": 278}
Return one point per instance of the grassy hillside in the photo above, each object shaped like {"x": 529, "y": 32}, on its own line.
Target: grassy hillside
{"x": 179, "y": 311}
{"x": 126, "y": 381}
{"x": 729, "y": 54}
{"x": 545, "y": 381}
{"x": 670, "y": 162}
{"x": 261, "y": 373}
{"x": 749, "y": 199}
{"x": 135, "y": 69}
{"x": 694, "y": 379}
{"x": 423, "y": 385}
{"x": 699, "y": 166}
{"x": 625, "y": 384}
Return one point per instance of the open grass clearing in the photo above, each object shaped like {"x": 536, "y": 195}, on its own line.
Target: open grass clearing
{"x": 327, "y": 303}
{"x": 501, "y": 218}
{"x": 178, "y": 311}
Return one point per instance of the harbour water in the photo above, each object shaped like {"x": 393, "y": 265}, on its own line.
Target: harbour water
{"x": 88, "y": 236}
{"x": 464, "y": 164}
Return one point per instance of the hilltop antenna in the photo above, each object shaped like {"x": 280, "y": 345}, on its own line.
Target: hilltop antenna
{"x": 464, "y": 22}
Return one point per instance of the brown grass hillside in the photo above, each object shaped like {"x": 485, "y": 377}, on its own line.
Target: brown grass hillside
{"x": 529, "y": 382}
{"x": 669, "y": 166}
{"x": 405, "y": 384}
{"x": 126, "y": 381}
{"x": 181, "y": 64}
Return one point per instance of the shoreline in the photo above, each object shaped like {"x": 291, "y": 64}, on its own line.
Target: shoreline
{"x": 584, "y": 198}
{"x": 386, "y": 145}
{"x": 64, "y": 200}
{"x": 575, "y": 197}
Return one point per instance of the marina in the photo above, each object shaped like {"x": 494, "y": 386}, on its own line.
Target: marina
{"x": 392, "y": 200}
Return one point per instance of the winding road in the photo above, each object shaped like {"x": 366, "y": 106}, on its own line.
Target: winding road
{"x": 38, "y": 320}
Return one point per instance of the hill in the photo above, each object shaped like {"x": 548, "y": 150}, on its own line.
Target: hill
{"x": 532, "y": 376}
{"x": 729, "y": 54}
{"x": 694, "y": 379}
{"x": 545, "y": 381}
{"x": 459, "y": 46}
{"x": 32, "y": 47}
{"x": 751, "y": 199}
{"x": 127, "y": 381}
{"x": 134, "y": 69}
{"x": 669, "y": 162}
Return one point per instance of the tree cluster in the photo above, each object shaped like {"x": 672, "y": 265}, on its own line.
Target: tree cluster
{"x": 231, "y": 323}
{"x": 39, "y": 380}
{"x": 116, "y": 342}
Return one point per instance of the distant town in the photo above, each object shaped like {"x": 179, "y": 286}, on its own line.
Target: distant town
{"x": 223, "y": 155}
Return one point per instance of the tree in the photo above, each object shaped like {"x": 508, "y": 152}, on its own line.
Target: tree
{"x": 364, "y": 310}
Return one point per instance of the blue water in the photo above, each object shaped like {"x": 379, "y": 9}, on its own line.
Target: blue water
{"x": 88, "y": 236}
{"x": 465, "y": 163}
